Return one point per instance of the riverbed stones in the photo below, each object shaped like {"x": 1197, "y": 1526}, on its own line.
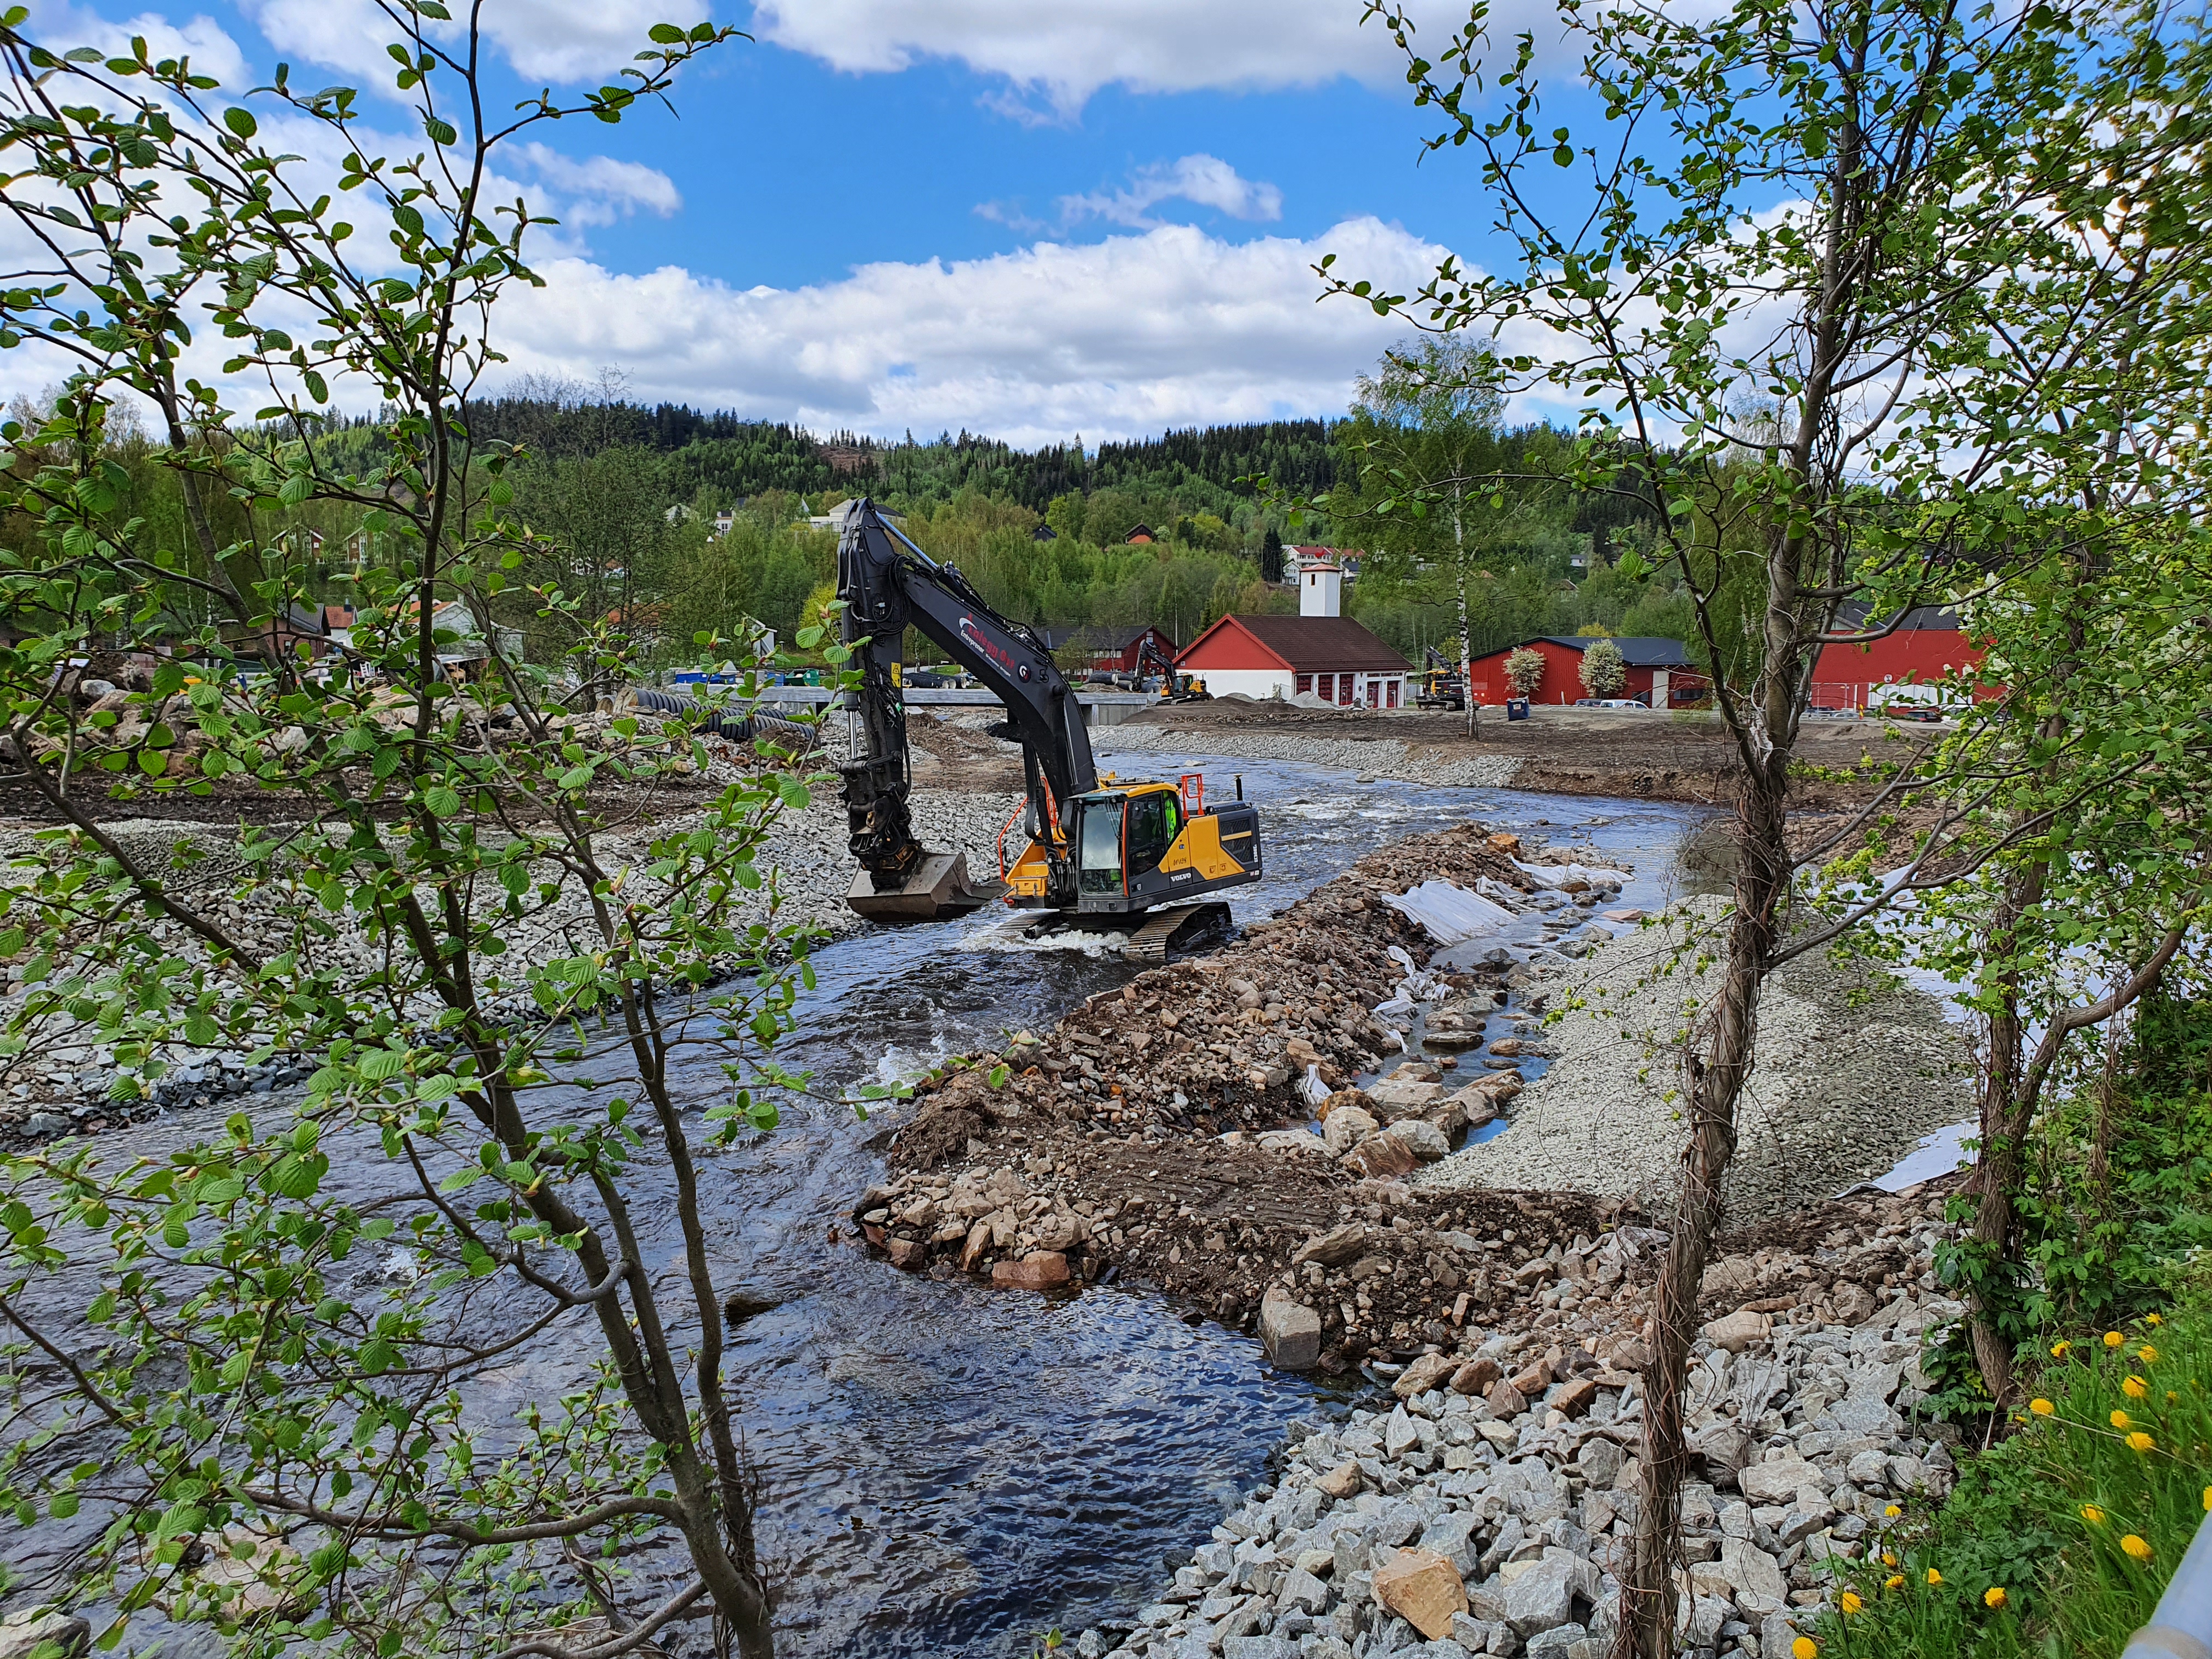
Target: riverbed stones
{"x": 1333, "y": 1248}
{"x": 1290, "y": 1331}
{"x": 1346, "y": 1127}
{"x": 1423, "y": 1588}
{"x": 1428, "y": 1371}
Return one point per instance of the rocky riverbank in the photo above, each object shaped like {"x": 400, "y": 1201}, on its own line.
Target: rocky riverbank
{"x": 1379, "y": 757}
{"x": 65, "y": 1081}
{"x": 1487, "y": 1509}
{"x": 1146, "y": 1134}
{"x": 1852, "y": 1071}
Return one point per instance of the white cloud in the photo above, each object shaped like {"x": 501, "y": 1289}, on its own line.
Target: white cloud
{"x": 62, "y": 27}
{"x": 559, "y": 41}
{"x": 1066, "y": 51}
{"x": 1206, "y": 180}
{"x": 1121, "y": 338}
{"x": 599, "y": 188}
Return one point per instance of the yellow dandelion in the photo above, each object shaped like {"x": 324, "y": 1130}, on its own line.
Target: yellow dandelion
{"x": 2136, "y": 1547}
{"x": 1804, "y": 1648}
{"x": 1933, "y": 1577}
{"x": 1895, "y": 1581}
{"x": 2207, "y": 1500}
{"x": 2140, "y": 1442}
{"x": 2148, "y": 1355}
{"x": 2113, "y": 1338}
{"x": 1850, "y": 1601}
{"x": 2095, "y": 1517}
{"x": 1994, "y": 1597}
{"x": 1888, "y": 1560}
{"x": 2041, "y": 1407}
{"x": 2135, "y": 1388}
{"x": 2153, "y": 1319}
{"x": 2058, "y": 1350}
{"x": 1891, "y": 1510}
{"x": 2120, "y": 1420}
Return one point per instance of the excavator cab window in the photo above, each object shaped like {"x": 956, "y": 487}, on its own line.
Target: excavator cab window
{"x": 1098, "y": 847}
{"x": 1151, "y": 831}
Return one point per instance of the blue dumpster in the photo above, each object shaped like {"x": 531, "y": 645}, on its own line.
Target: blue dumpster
{"x": 1516, "y": 709}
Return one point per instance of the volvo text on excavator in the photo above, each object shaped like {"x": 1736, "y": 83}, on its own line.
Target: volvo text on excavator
{"x": 1094, "y": 853}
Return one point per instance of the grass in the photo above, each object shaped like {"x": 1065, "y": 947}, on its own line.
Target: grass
{"x": 2075, "y": 1527}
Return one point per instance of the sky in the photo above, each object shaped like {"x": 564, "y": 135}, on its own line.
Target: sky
{"x": 1032, "y": 218}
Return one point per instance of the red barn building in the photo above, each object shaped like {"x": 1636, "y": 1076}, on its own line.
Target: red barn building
{"x": 1925, "y": 648}
{"x": 1101, "y": 650}
{"x": 1659, "y": 671}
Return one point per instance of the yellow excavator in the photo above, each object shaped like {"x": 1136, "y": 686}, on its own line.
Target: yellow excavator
{"x": 1091, "y": 852}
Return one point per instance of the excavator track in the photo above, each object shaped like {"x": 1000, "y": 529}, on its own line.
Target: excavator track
{"x": 1163, "y": 927}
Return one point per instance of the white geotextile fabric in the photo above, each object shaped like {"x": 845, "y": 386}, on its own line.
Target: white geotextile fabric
{"x": 1553, "y": 875}
{"x": 1451, "y": 914}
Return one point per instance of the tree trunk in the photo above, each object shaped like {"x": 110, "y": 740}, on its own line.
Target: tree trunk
{"x": 1466, "y": 659}
{"x": 1997, "y": 1165}
{"x": 1648, "y": 1589}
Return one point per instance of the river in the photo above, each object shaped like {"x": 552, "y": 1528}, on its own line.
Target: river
{"x": 950, "y": 1470}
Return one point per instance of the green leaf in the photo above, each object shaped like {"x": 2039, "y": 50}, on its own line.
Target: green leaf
{"x": 442, "y": 800}
{"x": 442, "y": 132}
{"x": 666, "y": 34}
{"x": 240, "y": 122}
{"x": 794, "y": 794}
{"x": 576, "y": 777}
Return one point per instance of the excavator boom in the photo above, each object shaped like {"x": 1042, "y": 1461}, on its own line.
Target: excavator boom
{"x": 1091, "y": 852}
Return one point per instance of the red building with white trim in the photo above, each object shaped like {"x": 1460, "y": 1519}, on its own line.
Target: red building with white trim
{"x": 1659, "y": 671}
{"x": 1924, "y": 649}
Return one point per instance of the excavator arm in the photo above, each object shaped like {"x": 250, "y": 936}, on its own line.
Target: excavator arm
{"x": 889, "y": 584}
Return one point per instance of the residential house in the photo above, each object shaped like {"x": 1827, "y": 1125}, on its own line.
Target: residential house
{"x": 1106, "y": 650}
{"x": 1313, "y": 659}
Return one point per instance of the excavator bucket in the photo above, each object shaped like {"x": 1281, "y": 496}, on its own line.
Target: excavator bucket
{"x": 940, "y": 889}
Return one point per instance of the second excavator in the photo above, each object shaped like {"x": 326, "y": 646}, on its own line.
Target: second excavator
{"x": 1088, "y": 851}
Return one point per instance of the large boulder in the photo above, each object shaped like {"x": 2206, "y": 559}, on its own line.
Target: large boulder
{"x": 1333, "y": 1248}
{"x": 1289, "y": 1330}
{"x": 1421, "y": 1138}
{"x": 22, "y": 1634}
{"x": 1777, "y": 1482}
{"x": 1423, "y": 1588}
{"x": 1346, "y": 1127}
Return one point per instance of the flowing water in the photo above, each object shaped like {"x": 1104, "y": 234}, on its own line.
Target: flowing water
{"x": 951, "y": 1470}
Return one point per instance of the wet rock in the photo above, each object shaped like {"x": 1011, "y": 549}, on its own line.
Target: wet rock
{"x": 1040, "y": 1270}
{"x": 1290, "y": 1331}
{"x": 740, "y": 1305}
{"x": 1422, "y": 1587}
{"x": 911, "y": 1254}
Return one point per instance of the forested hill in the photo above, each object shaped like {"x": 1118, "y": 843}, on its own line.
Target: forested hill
{"x": 719, "y": 459}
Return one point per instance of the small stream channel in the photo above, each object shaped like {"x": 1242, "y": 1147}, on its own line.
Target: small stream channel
{"x": 950, "y": 1470}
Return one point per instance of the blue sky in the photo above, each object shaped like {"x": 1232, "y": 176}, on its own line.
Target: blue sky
{"x": 1032, "y": 218}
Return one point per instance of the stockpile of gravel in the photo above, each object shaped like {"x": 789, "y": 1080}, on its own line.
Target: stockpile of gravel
{"x": 1381, "y": 757}
{"x": 1850, "y": 1074}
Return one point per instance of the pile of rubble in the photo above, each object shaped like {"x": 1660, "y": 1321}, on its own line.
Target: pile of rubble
{"x": 1225, "y": 1043}
{"x": 1487, "y": 1509}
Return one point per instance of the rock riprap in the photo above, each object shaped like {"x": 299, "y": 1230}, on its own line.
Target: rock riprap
{"x": 1486, "y": 1508}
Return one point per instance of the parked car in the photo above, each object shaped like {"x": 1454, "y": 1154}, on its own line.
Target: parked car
{"x": 1611, "y": 702}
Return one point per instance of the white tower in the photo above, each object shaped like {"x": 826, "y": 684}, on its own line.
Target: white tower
{"x": 1321, "y": 588}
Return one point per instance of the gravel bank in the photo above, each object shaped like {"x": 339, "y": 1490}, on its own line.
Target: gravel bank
{"x": 1488, "y": 1508}
{"x": 63, "y": 1082}
{"x": 1369, "y": 757}
{"x": 1844, "y": 1087}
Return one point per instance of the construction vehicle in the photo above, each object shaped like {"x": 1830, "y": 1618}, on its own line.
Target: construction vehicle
{"x": 1441, "y": 686}
{"x": 1093, "y": 851}
{"x": 1174, "y": 687}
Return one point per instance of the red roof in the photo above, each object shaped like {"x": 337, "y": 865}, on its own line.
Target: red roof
{"x": 1304, "y": 645}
